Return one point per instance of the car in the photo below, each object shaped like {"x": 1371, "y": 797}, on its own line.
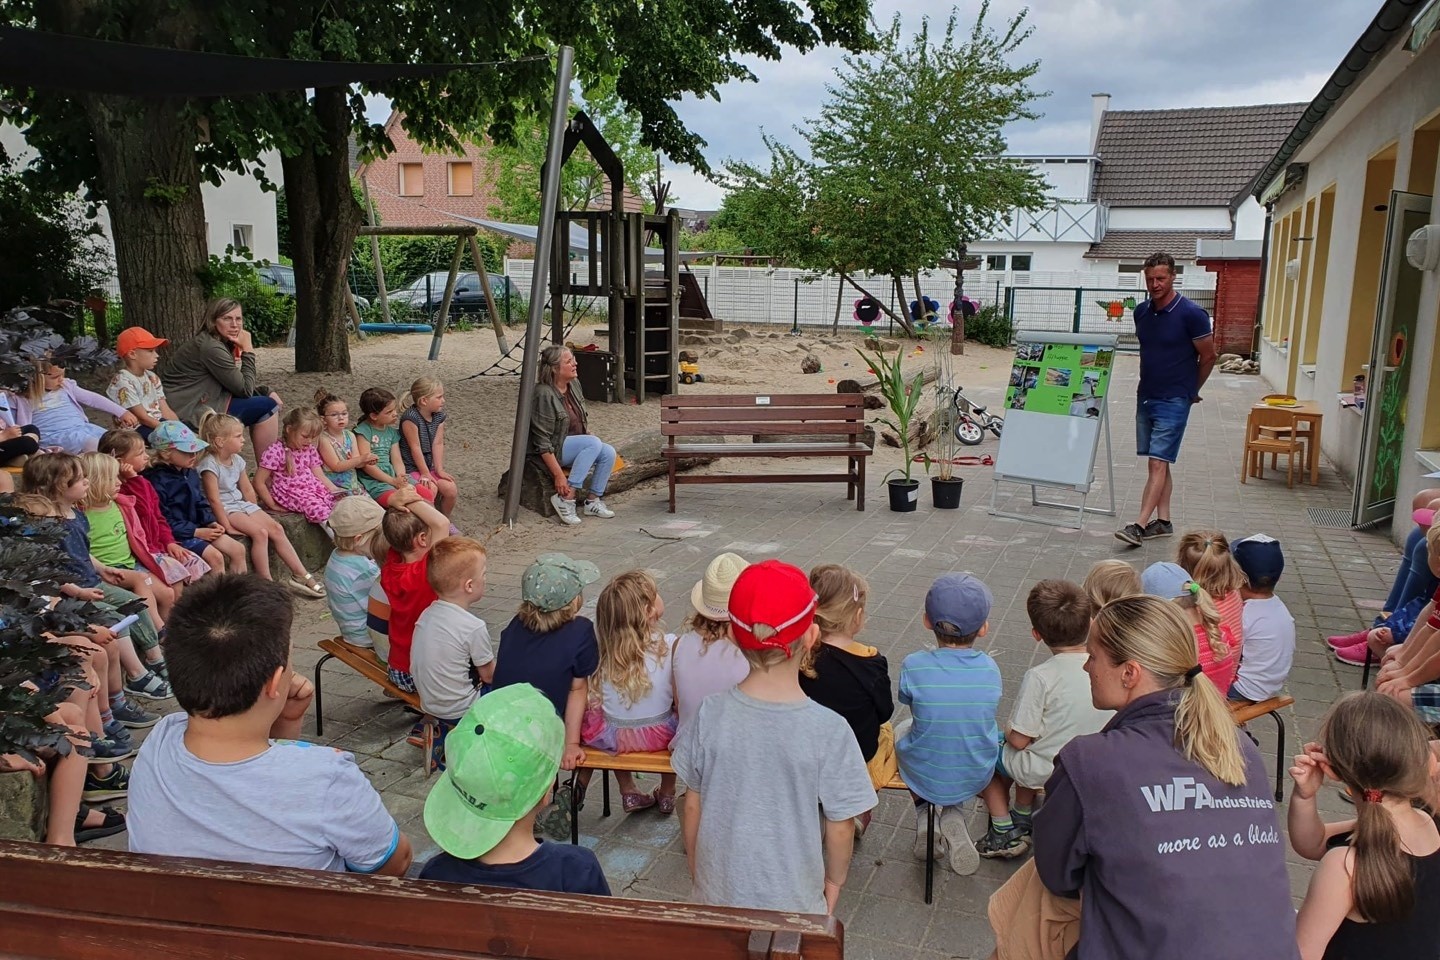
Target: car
{"x": 425, "y": 293}
{"x": 282, "y": 278}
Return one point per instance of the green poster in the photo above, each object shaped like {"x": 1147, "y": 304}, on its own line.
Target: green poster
{"x": 1065, "y": 379}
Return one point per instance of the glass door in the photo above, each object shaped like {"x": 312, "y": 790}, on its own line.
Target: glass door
{"x": 1397, "y": 313}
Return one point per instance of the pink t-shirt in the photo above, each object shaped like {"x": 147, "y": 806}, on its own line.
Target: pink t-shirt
{"x": 1222, "y": 670}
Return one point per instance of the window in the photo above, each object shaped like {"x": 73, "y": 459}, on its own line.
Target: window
{"x": 1020, "y": 263}
{"x": 412, "y": 180}
{"x": 462, "y": 179}
{"x": 995, "y": 261}
{"x": 242, "y": 236}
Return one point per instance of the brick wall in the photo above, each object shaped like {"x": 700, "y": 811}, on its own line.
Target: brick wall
{"x": 1237, "y": 294}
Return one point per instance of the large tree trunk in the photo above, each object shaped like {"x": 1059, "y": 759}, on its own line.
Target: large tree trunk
{"x": 324, "y": 221}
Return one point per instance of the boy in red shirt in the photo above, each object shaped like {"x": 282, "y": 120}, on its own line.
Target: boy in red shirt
{"x": 411, "y": 527}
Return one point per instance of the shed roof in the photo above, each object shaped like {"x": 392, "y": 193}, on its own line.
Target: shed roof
{"x": 1139, "y": 244}
{"x": 1198, "y": 157}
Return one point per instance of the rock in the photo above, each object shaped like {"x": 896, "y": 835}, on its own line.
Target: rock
{"x": 693, "y": 339}
{"x": 640, "y": 451}
{"x": 738, "y": 334}
{"x": 24, "y": 806}
{"x": 811, "y": 364}
{"x": 311, "y": 543}
{"x": 881, "y": 343}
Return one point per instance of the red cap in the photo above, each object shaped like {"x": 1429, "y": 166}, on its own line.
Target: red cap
{"x": 137, "y": 338}
{"x": 774, "y": 594}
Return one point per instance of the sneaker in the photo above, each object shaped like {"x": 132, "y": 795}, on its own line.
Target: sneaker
{"x": 1131, "y": 533}
{"x": 1023, "y": 821}
{"x": 148, "y": 686}
{"x": 105, "y": 750}
{"x": 964, "y": 858}
{"x": 564, "y": 509}
{"x": 1347, "y": 639}
{"x": 115, "y": 730}
{"x": 1158, "y": 528}
{"x": 1002, "y": 846}
{"x": 160, "y": 668}
{"x": 1355, "y": 656}
{"x": 133, "y": 717}
{"x": 922, "y": 832}
{"x": 597, "y": 508}
{"x": 112, "y": 787}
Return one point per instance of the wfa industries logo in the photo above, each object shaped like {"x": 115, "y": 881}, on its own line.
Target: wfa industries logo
{"x": 1187, "y": 793}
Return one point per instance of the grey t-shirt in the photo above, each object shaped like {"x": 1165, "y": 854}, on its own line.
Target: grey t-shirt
{"x": 764, "y": 772}
{"x": 295, "y": 805}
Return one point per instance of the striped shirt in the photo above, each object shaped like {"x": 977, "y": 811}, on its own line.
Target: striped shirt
{"x": 427, "y": 431}
{"x": 348, "y": 579}
{"x": 948, "y": 755}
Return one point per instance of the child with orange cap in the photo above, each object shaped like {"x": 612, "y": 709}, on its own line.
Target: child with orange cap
{"x": 136, "y": 386}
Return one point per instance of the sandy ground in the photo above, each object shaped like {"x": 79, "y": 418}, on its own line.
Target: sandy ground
{"x": 481, "y": 411}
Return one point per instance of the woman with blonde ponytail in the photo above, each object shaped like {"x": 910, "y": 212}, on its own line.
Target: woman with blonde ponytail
{"x": 1374, "y": 893}
{"x": 1162, "y": 823}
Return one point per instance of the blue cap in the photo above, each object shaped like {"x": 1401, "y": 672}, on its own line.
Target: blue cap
{"x": 1165, "y": 579}
{"x": 1261, "y": 559}
{"x": 958, "y": 604}
{"x": 174, "y": 435}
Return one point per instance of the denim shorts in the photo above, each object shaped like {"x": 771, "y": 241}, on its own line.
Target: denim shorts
{"x": 1159, "y": 428}
{"x": 251, "y": 410}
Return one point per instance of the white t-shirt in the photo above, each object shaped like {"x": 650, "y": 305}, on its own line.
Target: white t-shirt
{"x": 1269, "y": 649}
{"x": 656, "y": 705}
{"x": 701, "y": 671}
{"x": 142, "y": 389}
{"x": 1054, "y": 707}
{"x": 448, "y": 639}
{"x": 297, "y": 804}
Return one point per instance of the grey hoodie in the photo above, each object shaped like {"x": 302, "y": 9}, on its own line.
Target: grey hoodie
{"x": 1168, "y": 861}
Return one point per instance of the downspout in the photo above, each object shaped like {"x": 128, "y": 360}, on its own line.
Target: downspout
{"x": 1264, "y": 276}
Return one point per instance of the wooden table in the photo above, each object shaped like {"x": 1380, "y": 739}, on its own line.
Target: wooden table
{"x": 1306, "y": 411}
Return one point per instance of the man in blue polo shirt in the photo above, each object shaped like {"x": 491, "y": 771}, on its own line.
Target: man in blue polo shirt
{"x": 1177, "y": 353}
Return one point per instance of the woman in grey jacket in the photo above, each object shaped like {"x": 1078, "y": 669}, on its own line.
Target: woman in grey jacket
{"x": 560, "y": 438}
{"x": 1162, "y": 823}
{"x": 215, "y": 369}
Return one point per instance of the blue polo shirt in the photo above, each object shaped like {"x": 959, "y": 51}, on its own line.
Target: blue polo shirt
{"x": 1169, "y": 362}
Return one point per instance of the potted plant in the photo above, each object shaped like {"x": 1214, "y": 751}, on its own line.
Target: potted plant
{"x": 902, "y": 398}
{"x": 944, "y": 488}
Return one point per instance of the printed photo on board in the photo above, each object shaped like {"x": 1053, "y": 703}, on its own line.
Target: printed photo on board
{"x": 1057, "y": 377}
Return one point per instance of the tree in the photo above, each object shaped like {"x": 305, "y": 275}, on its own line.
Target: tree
{"x": 146, "y": 159}
{"x": 49, "y": 250}
{"x": 906, "y": 159}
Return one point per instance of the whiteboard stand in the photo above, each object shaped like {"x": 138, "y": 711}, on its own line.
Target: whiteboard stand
{"x": 1083, "y": 489}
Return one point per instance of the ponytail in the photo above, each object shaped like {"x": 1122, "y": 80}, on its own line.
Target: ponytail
{"x": 1202, "y": 603}
{"x": 1155, "y": 634}
{"x": 1206, "y": 556}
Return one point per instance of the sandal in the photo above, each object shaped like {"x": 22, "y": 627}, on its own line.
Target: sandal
{"x": 634, "y": 802}
{"x": 665, "y": 802}
{"x": 113, "y": 823}
{"x": 307, "y": 587}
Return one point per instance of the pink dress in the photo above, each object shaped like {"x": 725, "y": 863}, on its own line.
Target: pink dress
{"x": 293, "y": 483}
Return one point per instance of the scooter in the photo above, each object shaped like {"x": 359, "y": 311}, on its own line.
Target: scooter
{"x": 971, "y": 421}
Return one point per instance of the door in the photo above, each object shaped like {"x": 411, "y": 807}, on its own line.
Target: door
{"x": 1397, "y": 313}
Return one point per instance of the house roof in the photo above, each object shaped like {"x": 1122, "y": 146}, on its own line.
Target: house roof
{"x": 1200, "y": 157}
{"x": 1139, "y": 244}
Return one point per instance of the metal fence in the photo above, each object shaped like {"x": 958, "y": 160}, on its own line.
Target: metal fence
{"x": 1084, "y": 309}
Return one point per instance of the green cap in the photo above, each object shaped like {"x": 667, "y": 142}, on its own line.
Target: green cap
{"x": 554, "y": 580}
{"x": 499, "y": 760}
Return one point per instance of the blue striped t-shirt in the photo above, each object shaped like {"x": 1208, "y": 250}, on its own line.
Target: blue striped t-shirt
{"x": 348, "y": 579}
{"x": 949, "y": 753}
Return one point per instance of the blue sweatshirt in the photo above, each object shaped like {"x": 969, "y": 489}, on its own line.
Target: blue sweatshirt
{"x": 181, "y": 499}
{"x": 1167, "y": 860}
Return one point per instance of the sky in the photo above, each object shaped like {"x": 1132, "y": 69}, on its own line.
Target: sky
{"x": 1147, "y": 54}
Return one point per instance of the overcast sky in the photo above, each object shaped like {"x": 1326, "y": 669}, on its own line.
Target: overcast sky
{"x": 1146, "y": 53}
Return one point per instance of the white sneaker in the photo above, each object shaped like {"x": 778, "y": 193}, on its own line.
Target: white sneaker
{"x": 964, "y": 858}
{"x": 597, "y": 508}
{"x": 922, "y": 833}
{"x": 564, "y": 509}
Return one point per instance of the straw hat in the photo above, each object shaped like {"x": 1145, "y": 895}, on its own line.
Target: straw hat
{"x": 711, "y": 596}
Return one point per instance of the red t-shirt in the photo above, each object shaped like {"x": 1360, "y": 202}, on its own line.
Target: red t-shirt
{"x": 407, "y": 586}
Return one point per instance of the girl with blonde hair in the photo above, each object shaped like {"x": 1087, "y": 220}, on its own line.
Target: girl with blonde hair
{"x": 1206, "y": 556}
{"x": 1215, "y": 643}
{"x": 850, "y": 677}
{"x": 422, "y": 441}
{"x": 110, "y": 539}
{"x": 1149, "y": 821}
{"x": 291, "y": 475}
{"x": 706, "y": 659}
{"x": 632, "y": 706}
{"x": 1110, "y": 580}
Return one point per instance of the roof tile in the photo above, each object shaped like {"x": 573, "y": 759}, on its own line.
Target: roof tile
{"x": 1139, "y": 244}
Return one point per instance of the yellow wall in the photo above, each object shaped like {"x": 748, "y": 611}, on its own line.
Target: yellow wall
{"x": 1320, "y": 250}
{"x": 1369, "y": 258}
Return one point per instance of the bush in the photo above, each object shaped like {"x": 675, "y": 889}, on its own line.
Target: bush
{"x": 269, "y": 314}
{"x": 989, "y": 326}
{"x": 49, "y": 250}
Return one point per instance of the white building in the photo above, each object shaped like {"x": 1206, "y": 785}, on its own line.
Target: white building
{"x": 237, "y": 212}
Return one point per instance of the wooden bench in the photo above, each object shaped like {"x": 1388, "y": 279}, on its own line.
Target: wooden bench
{"x": 60, "y": 903}
{"x": 819, "y": 425}
{"x": 1244, "y": 711}
{"x": 364, "y": 661}
{"x": 659, "y": 763}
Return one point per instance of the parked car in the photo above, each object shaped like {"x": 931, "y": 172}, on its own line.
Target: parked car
{"x": 425, "y": 293}
{"x": 282, "y": 278}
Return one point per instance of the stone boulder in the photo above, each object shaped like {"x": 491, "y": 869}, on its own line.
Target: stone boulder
{"x": 24, "y": 806}
{"x": 810, "y": 364}
{"x": 311, "y": 543}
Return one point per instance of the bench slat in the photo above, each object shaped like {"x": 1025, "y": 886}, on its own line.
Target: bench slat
{"x": 1245, "y": 712}
{"x": 736, "y": 428}
{"x": 748, "y": 400}
{"x": 768, "y": 450}
{"x": 368, "y": 665}
{"x": 749, "y": 415}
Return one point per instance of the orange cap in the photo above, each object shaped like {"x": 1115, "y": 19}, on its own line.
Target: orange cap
{"x": 137, "y": 338}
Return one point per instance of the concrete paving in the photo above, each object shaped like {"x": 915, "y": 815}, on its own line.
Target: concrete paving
{"x": 1335, "y": 581}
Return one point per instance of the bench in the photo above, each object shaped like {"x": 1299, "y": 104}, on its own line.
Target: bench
{"x": 807, "y": 425}
{"x": 364, "y": 662}
{"x": 1243, "y": 711}
{"x": 659, "y": 763}
{"x": 60, "y": 903}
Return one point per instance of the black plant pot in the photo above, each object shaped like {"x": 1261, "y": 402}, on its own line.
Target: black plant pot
{"x": 904, "y": 495}
{"x": 946, "y": 493}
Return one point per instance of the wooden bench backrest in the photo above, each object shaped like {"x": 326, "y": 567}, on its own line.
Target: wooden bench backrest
{"x": 85, "y": 904}
{"x": 788, "y": 414}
